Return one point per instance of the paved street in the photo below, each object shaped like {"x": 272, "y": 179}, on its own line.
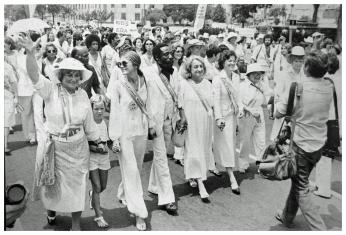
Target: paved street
{"x": 254, "y": 209}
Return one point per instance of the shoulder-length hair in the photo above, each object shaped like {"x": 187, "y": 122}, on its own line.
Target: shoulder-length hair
{"x": 188, "y": 65}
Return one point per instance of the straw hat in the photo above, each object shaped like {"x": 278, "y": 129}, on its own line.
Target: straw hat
{"x": 254, "y": 68}
{"x": 194, "y": 42}
{"x": 71, "y": 64}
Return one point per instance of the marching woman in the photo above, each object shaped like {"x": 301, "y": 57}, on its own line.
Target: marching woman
{"x": 147, "y": 56}
{"x": 195, "y": 98}
{"x": 225, "y": 89}
{"x": 128, "y": 129}
{"x": 138, "y": 45}
{"x": 69, "y": 123}
{"x": 252, "y": 101}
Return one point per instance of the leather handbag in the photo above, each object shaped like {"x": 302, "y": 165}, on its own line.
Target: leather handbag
{"x": 331, "y": 148}
{"x": 278, "y": 161}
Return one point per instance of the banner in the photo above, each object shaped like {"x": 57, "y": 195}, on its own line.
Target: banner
{"x": 200, "y": 16}
{"x": 124, "y": 27}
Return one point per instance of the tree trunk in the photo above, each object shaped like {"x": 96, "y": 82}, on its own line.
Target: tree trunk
{"x": 314, "y": 16}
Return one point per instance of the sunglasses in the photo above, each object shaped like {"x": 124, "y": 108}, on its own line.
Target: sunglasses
{"x": 51, "y": 51}
{"x": 122, "y": 64}
{"x": 148, "y": 44}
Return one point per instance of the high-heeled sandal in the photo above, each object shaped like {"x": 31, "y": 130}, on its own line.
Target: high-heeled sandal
{"x": 51, "y": 220}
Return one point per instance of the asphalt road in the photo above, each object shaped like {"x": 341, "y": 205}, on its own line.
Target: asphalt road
{"x": 253, "y": 210}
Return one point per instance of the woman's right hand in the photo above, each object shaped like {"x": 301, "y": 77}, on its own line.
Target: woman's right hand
{"x": 27, "y": 43}
{"x": 116, "y": 146}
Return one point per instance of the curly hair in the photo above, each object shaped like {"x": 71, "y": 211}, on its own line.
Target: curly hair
{"x": 225, "y": 55}
{"x": 316, "y": 64}
{"x": 333, "y": 63}
{"x": 92, "y": 38}
{"x": 188, "y": 65}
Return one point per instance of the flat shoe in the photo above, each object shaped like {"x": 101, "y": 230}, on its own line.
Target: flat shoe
{"x": 236, "y": 191}
{"x": 205, "y": 200}
{"x": 216, "y": 173}
{"x": 101, "y": 223}
{"x": 171, "y": 208}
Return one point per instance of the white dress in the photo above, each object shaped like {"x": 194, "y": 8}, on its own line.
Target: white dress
{"x": 225, "y": 140}
{"x": 198, "y": 144}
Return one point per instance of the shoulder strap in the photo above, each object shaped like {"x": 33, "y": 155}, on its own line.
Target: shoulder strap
{"x": 291, "y": 96}
{"x": 259, "y": 52}
{"x": 62, "y": 103}
{"x": 335, "y": 99}
{"x": 135, "y": 96}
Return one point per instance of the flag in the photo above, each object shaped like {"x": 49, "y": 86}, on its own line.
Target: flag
{"x": 200, "y": 16}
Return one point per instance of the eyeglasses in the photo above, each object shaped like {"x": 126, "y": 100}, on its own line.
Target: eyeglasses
{"x": 122, "y": 64}
{"x": 51, "y": 51}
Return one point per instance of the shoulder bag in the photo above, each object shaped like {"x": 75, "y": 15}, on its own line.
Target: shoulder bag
{"x": 278, "y": 161}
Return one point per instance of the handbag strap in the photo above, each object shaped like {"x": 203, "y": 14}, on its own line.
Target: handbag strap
{"x": 135, "y": 96}
{"x": 335, "y": 99}
{"x": 201, "y": 98}
{"x": 296, "y": 90}
{"x": 62, "y": 103}
{"x": 170, "y": 89}
{"x": 259, "y": 52}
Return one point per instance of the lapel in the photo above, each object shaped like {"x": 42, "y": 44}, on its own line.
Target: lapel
{"x": 159, "y": 83}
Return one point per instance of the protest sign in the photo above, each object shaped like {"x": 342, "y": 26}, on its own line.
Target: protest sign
{"x": 124, "y": 27}
{"x": 200, "y": 16}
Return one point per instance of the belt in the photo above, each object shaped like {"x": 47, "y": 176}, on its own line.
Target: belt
{"x": 69, "y": 133}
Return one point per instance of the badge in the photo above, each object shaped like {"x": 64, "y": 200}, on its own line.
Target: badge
{"x": 132, "y": 106}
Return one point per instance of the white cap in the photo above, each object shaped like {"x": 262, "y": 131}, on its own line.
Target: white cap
{"x": 254, "y": 68}
{"x": 71, "y": 64}
{"x": 298, "y": 51}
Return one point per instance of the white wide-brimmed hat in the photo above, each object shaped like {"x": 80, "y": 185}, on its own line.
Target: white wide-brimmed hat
{"x": 194, "y": 42}
{"x": 298, "y": 51}
{"x": 71, "y": 64}
{"x": 254, "y": 68}
{"x": 232, "y": 35}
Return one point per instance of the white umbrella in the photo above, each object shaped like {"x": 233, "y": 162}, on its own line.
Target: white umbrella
{"x": 24, "y": 25}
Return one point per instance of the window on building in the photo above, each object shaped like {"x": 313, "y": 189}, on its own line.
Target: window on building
{"x": 137, "y": 5}
{"x": 137, "y": 17}
{"x": 123, "y": 5}
{"x": 112, "y": 5}
{"x": 123, "y": 16}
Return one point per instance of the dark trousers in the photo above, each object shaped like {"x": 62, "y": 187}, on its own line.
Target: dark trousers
{"x": 300, "y": 196}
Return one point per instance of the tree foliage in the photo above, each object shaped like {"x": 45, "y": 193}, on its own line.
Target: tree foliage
{"x": 241, "y": 12}
{"x": 54, "y": 9}
{"x": 155, "y": 15}
{"x": 100, "y": 15}
{"x": 15, "y": 12}
{"x": 40, "y": 10}
{"x": 179, "y": 12}
{"x": 219, "y": 14}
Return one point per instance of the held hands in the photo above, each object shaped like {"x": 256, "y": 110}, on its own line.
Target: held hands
{"x": 152, "y": 133}
{"x": 116, "y": 146}
{"x": 220, "y": 123}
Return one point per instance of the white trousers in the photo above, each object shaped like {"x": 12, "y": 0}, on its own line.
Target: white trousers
{"x": 27, "y": 117}
{"x": 324, "y": 176}
{"x": 130, "y": 190}
{"x": 251, "y": 132}
{"x": 160, "y": 179}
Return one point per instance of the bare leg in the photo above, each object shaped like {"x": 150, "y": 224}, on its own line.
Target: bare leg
{"x": 202, "y": 191}
{"x": 234, "y": 183}
{"x": 96, "y": 185}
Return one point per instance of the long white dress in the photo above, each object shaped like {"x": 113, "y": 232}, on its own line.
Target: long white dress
{"x": 198, "y": 144}
{"x": 224, "y": 141}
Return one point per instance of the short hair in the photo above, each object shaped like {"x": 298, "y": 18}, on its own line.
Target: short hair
{"x": 76, "y": 36}
{"x": 135, "y": 41}
{"x": 157, "y": 50}
{"x": 143, "y": 47}
{"x": 268, "y": 36}
{"x": 316, "y": 64}
{"x": 11, "y": 42}
{"x": 111, "y": 37}
{"x": 60, "y": 34}
{"x": 212, "y": 50}
{"x": 50, "y": 44}
{"x": 223, "y": 47}
{"x": 62, "y": 72}
{"x": 92, "y": 38}
{"x": 225, "y": 55}
{"x": 288, "y": 47}
{"x": 333, "y": 63}
{"x": 188, "y": 65}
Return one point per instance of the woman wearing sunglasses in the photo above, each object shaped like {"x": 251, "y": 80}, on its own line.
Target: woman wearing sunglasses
{"x": 251, "y": 102}
{"x": 147, "y": 57}
{"x": 128, "y": 129}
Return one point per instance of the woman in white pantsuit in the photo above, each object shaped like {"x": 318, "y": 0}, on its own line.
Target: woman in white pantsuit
{"x": 252, "y": 101}
{"x": 225, "y": 111}
{"x": 199, "y": 117}
{"x": 128, "y": 129}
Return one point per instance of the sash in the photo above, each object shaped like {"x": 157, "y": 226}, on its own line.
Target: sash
{"x": 230, "y": 91}
{"x": 170, "y": 89}
{"x": 204, "y": 101}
